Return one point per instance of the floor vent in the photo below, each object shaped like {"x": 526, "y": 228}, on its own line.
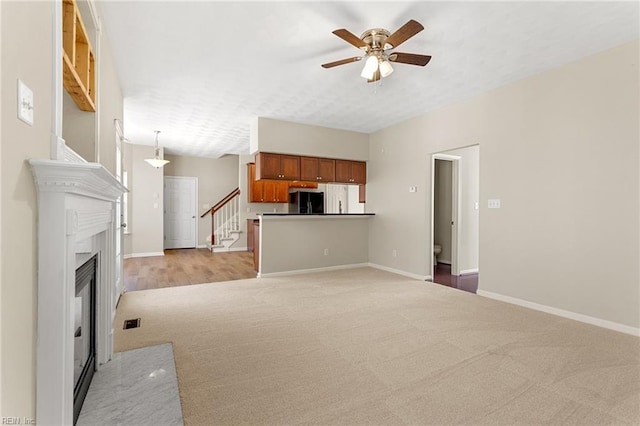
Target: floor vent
{"x": 131, "y": 323}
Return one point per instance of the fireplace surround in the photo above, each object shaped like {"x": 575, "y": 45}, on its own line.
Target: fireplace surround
{"x": 76, "y": 221}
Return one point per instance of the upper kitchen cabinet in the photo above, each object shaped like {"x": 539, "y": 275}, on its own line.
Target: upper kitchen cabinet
{"x": 277, "y": 166}
{"x": 351, "y": 172}
{"x": 265, "y": 191}
{"x": 317, "y": 169}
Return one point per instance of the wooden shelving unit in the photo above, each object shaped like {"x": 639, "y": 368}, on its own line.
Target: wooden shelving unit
{"x": 78, "y": 59}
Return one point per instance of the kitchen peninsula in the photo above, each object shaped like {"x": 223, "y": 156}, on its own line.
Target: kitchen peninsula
{"x": 294, "y": 243}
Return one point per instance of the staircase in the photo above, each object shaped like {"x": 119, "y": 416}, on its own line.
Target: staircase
{"x": 225, "y": 223}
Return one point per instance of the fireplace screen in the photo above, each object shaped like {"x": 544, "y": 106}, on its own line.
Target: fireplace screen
{"x": 84, "y": 333}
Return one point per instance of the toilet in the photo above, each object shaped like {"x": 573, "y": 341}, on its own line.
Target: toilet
{"x": 436, "y": 251}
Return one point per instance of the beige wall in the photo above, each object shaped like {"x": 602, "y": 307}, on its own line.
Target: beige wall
{"x": 111, "y": 105}
{"x": 302, "y": 139}
{"x": 79, "y": 129}
{"x": 216, "y": 178}
{"x": 31, "y": 61}
{"x": 1, "y": 138}
{"x": 1, "y": 203}
{"x": 560, "y": 150}
{"x": 293, "y": 244}
{"x": 146, "y": 197}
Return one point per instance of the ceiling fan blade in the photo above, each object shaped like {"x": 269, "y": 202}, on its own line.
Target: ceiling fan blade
{"x": 341, "y": 62}
{"x": 376, "y": 77}
{"x": 350, "y": 38}
{"x": 410, "y": 58}
{"x": 404, "y": 33}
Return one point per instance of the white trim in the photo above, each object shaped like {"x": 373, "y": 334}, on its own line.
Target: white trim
{"x": 399, "y": 272}
{"x": 445, "y": 262}
{"x": 204, "y": 246}
{"x": 469, "y": 271}
{"x": 448, "y": 157}
{"x": 314, "y": 270}
{"x": 562, "y": 313}
{"x": 75, "y": 202}
{"x": 229, "y": 249}
{"x": 149, "y": 254}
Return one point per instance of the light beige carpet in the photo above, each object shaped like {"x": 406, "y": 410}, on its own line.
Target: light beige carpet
{"x": 368, "y": 347}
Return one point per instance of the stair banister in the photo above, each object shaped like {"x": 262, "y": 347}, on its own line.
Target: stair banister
{"x": 220, "y": 220}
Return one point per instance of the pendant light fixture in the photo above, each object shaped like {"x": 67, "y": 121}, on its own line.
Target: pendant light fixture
{"x": 156, "y": 161}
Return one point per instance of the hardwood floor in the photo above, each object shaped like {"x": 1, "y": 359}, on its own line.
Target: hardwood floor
{"x": 442, "y": 275}
{"x": 185, "y": 267}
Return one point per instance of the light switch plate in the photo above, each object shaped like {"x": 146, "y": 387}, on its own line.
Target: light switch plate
{"x": 494, "y": 204}
{"x": 25, "y": 103}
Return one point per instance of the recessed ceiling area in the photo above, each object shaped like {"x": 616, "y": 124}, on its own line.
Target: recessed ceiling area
{"x": 202, "y": 71}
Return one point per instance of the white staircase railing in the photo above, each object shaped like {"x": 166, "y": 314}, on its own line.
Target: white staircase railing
{"x": 225, "y": 222}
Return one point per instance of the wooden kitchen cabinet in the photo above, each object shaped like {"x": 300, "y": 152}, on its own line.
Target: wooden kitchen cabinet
{"x": 256, "y": 245}
{"x": 317, "y": 169}
{"x": 275, "y": 192}
{"x": 351, "y": 172}
{"x": 303, "y": 184}
{"x": 265, "y": 191}
{"x": 277, "y": 166}
{"x": 250, "y": 236}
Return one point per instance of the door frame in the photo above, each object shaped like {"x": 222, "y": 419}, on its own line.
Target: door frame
{"x": 195, "y": 207}
{"x": 456, "y": 193}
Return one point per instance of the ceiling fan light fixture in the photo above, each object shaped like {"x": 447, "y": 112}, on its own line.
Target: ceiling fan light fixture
{"x": 370, "y": 67}
{"x": 156, "y": 161}
{"x": 385, "y": 68}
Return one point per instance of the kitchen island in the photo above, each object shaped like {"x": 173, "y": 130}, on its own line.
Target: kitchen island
{"x": 296, "y": 243}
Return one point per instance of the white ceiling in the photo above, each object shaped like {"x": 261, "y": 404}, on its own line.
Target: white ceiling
{"x": 200, "y": 71}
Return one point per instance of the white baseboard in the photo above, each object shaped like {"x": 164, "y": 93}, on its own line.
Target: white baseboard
{"x": 562, "y": 313}
{"x": 399, "y": 272}
{"x": 469, "y": 271}
{"x": 446, "y": 262}
{"x": 222, "y": 249}
{"x": 237, "y": 249}
{"x": 313, "y": 270}
{"x": 202, "y": 246}
{"x": 150, "y": 254}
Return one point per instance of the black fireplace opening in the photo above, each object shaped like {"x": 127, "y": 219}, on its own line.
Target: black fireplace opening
{"x": 84, "y": 358}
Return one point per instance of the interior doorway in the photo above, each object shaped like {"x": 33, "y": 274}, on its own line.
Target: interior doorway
{"x": 180, "y": 204}
{"x": 454, "y": 252}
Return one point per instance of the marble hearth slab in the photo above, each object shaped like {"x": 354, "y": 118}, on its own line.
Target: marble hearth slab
{"x": 137, "y": 387}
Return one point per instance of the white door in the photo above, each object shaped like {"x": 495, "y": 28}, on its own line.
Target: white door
{"x": 180, "y": 212}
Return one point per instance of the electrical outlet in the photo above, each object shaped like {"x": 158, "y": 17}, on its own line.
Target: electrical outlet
{"x": 494, "y": 204}
{"x": 326, "y": 252}
{"x": 413, "y": 189}
{"x": 394, "y": 253}
{"x": 25, "y": 103}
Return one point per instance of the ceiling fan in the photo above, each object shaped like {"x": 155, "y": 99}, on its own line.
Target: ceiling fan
{"x": 376, "y": 44}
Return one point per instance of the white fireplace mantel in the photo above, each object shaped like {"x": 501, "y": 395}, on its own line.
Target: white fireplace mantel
{"x": 76, "y": 210}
